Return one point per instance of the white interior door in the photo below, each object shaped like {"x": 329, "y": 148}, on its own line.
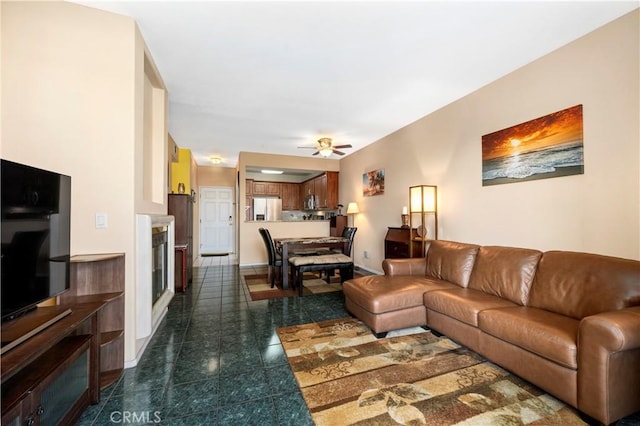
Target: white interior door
{"x": 216, "y": 220}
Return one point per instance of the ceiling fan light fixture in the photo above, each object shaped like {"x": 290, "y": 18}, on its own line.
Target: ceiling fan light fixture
{"x": 215, "y": 160}
{"x": 326, "y": 152}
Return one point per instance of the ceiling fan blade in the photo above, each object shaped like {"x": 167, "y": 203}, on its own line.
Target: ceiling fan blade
{"x": 316, "y": 153}
{"x": 308, "y": 147}
{"x": 342, "y": 146}
{"x": 335, "y": 151}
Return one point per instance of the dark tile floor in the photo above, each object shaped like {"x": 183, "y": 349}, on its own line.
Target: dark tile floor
{"x": 216, "y": 359}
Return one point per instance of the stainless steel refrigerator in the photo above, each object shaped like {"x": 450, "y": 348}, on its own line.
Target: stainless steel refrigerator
{"x": 267, "y": 208}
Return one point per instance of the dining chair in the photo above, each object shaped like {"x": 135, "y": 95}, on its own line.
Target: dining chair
{"x": 347, "y": 232}
{"x": 274, "y": 259}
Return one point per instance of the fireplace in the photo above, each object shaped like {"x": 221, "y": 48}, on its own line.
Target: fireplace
{"x": 154, "y": 266}
{"x": 159, "y": 273}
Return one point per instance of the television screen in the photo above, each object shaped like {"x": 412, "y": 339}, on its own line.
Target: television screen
{"x": 35, "y": 233}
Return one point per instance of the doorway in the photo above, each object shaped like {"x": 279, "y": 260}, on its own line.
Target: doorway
{"x": 217, "y": 220}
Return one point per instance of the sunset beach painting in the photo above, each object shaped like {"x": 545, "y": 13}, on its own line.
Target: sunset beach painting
{"x": 546, "y": 147}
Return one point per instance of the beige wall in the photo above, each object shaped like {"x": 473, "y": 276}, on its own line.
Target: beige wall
{"x": 73, "y": 102}
{"x": 598, "y": 211}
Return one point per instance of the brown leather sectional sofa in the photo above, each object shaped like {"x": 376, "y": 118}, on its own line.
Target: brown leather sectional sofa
{"x": 567, "y": 322}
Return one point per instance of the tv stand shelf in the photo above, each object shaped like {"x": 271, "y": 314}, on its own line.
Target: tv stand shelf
{"x": 99, "y": 278}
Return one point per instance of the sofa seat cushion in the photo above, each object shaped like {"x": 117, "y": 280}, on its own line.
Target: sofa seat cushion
{"x": 380, "y": 293}
{"x": 463, "y": 304}
{"x": 547, "y": 334}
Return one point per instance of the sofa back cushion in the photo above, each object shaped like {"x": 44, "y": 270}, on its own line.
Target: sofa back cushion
{"x": 581, "y": 284}
{"x": 506, "y": 272}
{"x": 450, "y": 261}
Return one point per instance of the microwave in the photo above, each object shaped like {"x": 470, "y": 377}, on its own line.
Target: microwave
{"x": 310, "y": 202}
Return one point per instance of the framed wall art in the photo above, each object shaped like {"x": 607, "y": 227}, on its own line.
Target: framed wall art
{"x": 373, "y": 183}
{"x": 546, "y": 147}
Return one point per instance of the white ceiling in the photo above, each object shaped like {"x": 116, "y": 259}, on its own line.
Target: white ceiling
{"x": 271, "y": 76}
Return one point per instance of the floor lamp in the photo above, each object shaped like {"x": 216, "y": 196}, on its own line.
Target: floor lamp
{"x": 352, "y": 209}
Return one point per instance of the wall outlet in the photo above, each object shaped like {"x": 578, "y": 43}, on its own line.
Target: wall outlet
{"x": 366, "y": 254}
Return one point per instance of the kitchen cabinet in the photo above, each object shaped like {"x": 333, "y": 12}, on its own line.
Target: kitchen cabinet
{"x": 290, "y": 196}
{"x": 307, "y": 188}
{"x": 266, "y": 188}
{"x": 325, "y": 188}
{"x": 332, "y": 192}
{"x": 320, "y": 185}
{"x": 248, "y": 209}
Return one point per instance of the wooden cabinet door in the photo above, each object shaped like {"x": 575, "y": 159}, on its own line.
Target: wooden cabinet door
{"x": 333, "y": 198}
{"x": 20, "y": 414}
{"x": 308, "y": 188}
{"x": 259, "y": 188}
{"x": 273, "y": 188}
{"x": 290, "y": 196}
{"x": 320, "y": 184}
{"x": 248, "y": 211}
{"x": 266, "y": 188}
{"x": 249, "y": 187}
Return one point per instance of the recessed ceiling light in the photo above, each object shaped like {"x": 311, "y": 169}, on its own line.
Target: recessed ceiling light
{"x": 271, "y": 172}
{"x": 215, "y": 160}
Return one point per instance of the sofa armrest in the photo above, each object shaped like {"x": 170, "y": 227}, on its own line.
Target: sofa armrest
{"x": 613, "y": 330}
{"x": 413, "y": 266}
{"x": 609, "y": 364}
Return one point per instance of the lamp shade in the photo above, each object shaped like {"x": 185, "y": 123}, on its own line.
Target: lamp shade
{"x": 423, "y": 199}
{"x": 352, "y": 208}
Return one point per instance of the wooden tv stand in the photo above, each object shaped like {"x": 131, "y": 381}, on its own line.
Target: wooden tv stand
{"x": 38, "y": 366}
{"x": 87, "y": 342}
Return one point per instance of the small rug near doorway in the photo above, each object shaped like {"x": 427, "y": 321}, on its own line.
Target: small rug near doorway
{"x": 260, "y": 288}
{"x": 347, "y": 376}
{"x": 214, "y": 254}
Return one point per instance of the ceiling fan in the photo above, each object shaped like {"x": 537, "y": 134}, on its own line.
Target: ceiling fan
{"x": 325, "y": 147}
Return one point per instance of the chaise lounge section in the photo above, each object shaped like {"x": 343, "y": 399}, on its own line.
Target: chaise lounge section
{"x": 567, "y": 322}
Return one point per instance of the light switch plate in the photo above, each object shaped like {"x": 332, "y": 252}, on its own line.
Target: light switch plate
{"x": 101, "y": 220}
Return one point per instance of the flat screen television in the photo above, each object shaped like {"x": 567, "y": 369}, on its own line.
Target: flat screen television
{"x": 35, "y": 228}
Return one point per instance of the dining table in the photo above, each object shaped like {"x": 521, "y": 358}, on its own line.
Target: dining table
{"x": 286, "y": 246}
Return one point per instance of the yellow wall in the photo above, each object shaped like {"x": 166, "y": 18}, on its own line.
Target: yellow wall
{"x": 598, "y": 211}
{"x": 73, "y": 101}
{"x": 181, "y": 171}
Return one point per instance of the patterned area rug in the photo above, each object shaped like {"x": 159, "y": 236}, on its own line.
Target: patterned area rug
{"x": 348, "y": 377}
{"x": 260, "y": 288}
